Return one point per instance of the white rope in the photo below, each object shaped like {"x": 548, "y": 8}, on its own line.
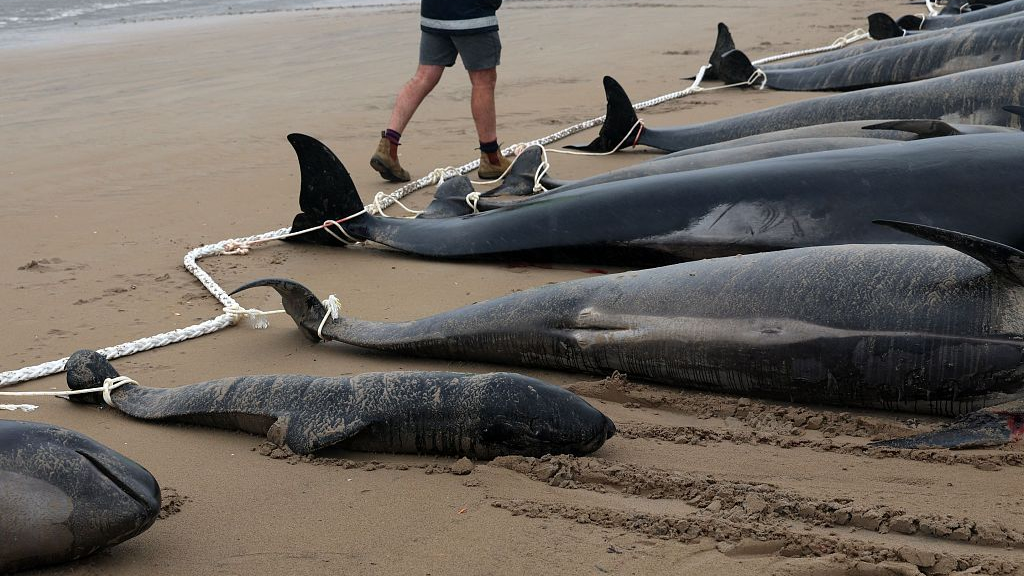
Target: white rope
{"x": 333, "y": 306}
{"x": 109, "y": 385}
{"x": 849, "y": 38}
{"x": 933, "y": 8}
{"x": 378, "y": 207}
{"x": 233, "y": 312}
{"x": 21, "y": 407}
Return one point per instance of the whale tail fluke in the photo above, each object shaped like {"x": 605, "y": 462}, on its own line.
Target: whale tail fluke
{"x": 734, "y": 67}
{"x": 620, "y": 124}
{"x": 1004, "y": 260}
{"x": 881, "y": 26}
{"x": 326, "y": 191}
{"x": 88, "y": 369}
{"x": 299, "y": 302}
{"x": 989, "y": 427}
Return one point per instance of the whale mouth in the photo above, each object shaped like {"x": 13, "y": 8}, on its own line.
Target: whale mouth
{"x": 147, "y": 504}
{"x": 609, "y": 428}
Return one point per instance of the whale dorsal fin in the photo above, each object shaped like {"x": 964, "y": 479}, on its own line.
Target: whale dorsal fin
{"x": 519, "y": 179}
{"x": 923, "y": 128}
{"x": 1004, "y": 260}
{"x": 449, "y": 199}
{"x": 881, "y": 26}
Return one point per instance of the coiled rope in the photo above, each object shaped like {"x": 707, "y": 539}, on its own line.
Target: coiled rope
{"x": 233, "y": 312}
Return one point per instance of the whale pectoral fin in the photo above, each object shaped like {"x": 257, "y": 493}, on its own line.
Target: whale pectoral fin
{"x": 1004, "y": 260}
{"x": 990, "y": 427}
{"x": 1016, "y": 111}
{"x": 923, "y": 128}
{"x": 306, "y": 439}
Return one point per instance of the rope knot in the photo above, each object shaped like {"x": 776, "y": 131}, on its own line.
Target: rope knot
{"x": 439, "y": 175}
{"x": 758, "y": 75}
{"x": 472, "y": 198}
{"x": 382, "y": 201}
{"x": 111, "y": 384}
{"x": 236, "y": 248}
{"x": 258, "y": 319}
{"x": 333, "y": 306}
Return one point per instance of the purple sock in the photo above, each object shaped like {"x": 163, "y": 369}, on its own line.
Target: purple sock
{"x": 392, "y": 136}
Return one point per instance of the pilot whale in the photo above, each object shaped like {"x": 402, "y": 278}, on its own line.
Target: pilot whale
{"x": 64, "y": 496}
{"x": 448, "y": 413}
{"x": 912, "y": 22}
{"x": 792, "y": 201}
{"x": 457, "y": 197}
{"x": 896, "y": 61}
{"x": 935, "y": 329}
{"x": 976, "y": 97}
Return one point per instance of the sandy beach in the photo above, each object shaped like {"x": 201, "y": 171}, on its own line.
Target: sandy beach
{"x": 126, "y": 147}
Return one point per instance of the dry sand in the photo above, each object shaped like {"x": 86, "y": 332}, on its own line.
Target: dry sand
{"x": 123, "y": 149}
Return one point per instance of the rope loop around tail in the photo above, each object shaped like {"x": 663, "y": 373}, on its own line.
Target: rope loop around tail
{"x": 108, "y": 386}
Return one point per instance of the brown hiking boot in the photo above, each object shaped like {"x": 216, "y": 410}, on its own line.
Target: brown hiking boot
{"x": 386, "y": 163}
{"x": 489, "y": 171}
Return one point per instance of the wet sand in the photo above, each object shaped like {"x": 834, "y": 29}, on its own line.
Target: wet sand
{"x": 124, "y": 149}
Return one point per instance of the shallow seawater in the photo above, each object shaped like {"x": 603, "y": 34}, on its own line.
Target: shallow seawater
{"x": 25, "y": 19}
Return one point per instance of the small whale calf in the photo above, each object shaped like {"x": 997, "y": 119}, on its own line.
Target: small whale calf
{"x": 64, "y": 496}
{"x": 456, "y": 414}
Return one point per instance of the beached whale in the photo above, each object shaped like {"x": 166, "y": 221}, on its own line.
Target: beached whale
{"x": 449, "y": 413}
{"x": 896, "y": 61}
{"x": 452, "y": 196}
{"x": 913, "y": 22}
{"x": 920, "y": 328}
{"x": 457, "y": 197}
{"x": 974, "y": 97}
{"x": 64, "y": 496}
{"x": 801, "y": 200}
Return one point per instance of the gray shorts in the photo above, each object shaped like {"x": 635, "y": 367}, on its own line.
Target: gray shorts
{"x": 478, "y": 51}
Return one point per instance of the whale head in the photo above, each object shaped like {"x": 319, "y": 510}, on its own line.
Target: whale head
{"x": 528, "y": 417}
{"x": 64, "y": 496}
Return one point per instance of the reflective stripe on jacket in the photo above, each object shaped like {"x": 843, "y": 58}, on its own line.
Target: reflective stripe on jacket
{"x": 458, "y": 17}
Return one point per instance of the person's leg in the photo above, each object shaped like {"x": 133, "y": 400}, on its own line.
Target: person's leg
{"x": 482, "y": 103}
{"x": 436, "y": 52}
{"x": 385, "y": 159}
{"x": 412, "y": 94}
{"x": 481, "y": 54}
